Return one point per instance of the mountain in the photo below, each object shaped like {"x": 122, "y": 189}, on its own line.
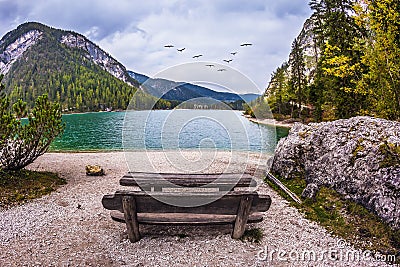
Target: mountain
{"x": 140, "y": 78}
{"x": 71, "y": 69}
{"x": 74, "y": 71}
{"x": 181, "y": 91}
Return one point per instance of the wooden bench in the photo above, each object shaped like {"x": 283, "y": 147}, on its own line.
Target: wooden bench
{"x": 157, "y": 181}
{"x": 234, "y": 207}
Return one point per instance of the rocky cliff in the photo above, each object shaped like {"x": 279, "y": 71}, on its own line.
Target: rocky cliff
{"x": 97, "y": 55}
{"x": 15, "y": 43}
{"x": 37, "y": 59}
{"x": 15, "y": 50}
{"x": 358, "y": 157}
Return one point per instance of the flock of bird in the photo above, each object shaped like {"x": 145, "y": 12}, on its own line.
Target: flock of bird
{"x": 200, "y": 55}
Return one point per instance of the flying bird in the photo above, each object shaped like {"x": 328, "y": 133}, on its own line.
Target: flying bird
{"x": 210, "y": 65}
{"x": 233, "y": 53}
{"x": 196, "y": 56}
{"x": 246, "y": 44}
{"x": 227, "y": 60}
{"x": 180, "y": 50}
{"x": 168, "y": 46}
{"x": 221, "y": 70}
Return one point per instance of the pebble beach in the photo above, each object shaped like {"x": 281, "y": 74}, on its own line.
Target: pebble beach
{"x": 70, "y": 227}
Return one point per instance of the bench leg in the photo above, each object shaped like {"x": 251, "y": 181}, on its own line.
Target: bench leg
{"x": 130, "y": 214}
{"x": 242, "y": 216}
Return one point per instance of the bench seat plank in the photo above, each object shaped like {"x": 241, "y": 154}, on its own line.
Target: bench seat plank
{"x": 186, "y": 175}
{"x": 224, "y": 181}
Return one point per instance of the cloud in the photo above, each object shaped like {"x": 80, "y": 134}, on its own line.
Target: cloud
{"x": 135, "y": 32}
{"x": 213, "y": 31}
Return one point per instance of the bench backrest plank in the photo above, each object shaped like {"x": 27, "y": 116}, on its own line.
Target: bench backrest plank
{"x": 215, "y": 204}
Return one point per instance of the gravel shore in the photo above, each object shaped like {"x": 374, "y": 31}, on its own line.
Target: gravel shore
{"x": 53, "y": 231}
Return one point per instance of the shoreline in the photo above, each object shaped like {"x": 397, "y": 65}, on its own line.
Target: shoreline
{"x": 271, "y": 122}
{"x": 174, "y": 161}
{"x": 126, "y": 110}
{"x": 122, "y": 150}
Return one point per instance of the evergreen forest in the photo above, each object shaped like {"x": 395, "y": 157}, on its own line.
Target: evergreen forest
{"x": 67, "y": 75}
{"x": 345, "y": 62}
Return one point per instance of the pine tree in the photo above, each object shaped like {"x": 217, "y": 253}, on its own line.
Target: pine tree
{"x": 21, "y": 143}
{"x": 278, "y": 92}
{"x": 382, "y": 57}
{"x": 338, "y": 69}
{"x": 297, "y": 74}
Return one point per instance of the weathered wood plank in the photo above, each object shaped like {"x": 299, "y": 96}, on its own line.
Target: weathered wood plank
{"x": 185, "y": 218}
{"x": 138, "y": 207}
{"x": 171, "y": 182}
{"x": 112, "y": 202}
{"x": 186, "y": 175}
{"x": 213, "y": 202}
{"x": 242, "y": 216}
{"x": 130, "y": 215}
{"x": 224, "y": 181}
{"x": 261, "y": 203}
{"x": 284, "y": 188}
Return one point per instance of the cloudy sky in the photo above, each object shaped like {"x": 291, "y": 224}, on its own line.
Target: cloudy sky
{"x": 135, "y": 32}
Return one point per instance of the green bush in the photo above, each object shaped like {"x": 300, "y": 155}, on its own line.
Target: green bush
{"x": 21, "y": 143}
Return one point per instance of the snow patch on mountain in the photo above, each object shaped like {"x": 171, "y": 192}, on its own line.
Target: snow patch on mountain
{"x": 16, "y": 49}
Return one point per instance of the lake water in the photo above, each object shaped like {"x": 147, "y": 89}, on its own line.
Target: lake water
{"x": 166, "y": 129}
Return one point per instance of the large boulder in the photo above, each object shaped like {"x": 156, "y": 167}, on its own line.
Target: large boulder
{"x": 358, "y": 157}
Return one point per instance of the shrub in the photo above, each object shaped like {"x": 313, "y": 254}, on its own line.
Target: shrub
{"x": 21, "y": 142}
{"x": 254, "y": 235}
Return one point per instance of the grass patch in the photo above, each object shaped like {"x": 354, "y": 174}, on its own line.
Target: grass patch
{"x": 254, "y": 235}
{"x": 346, "y": 219}
{"x": 359, "y": 148}
{"x": 391, "y": 153}
{"x": 17, "y": 187}
{"x": 295, "y": 185}
{"x": 181, "y": 235}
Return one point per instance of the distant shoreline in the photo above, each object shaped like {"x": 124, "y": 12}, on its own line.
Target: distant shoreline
{"x": 271, "y": 122}
{"x": 88, "y": 112}
{"x": 114, "y": 111}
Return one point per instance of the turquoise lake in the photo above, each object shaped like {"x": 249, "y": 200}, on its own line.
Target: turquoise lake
{"x": 166, "y": 129}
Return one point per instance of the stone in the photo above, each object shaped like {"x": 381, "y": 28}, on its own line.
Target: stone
{"x": 94, "y": 170}
{"x": 310, "y": 191}
{"x": 357, "y": 157}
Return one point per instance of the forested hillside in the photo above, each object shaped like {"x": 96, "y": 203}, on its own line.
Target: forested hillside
{"x": 345, "y": 62}
{"x": 67, "y": 74}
